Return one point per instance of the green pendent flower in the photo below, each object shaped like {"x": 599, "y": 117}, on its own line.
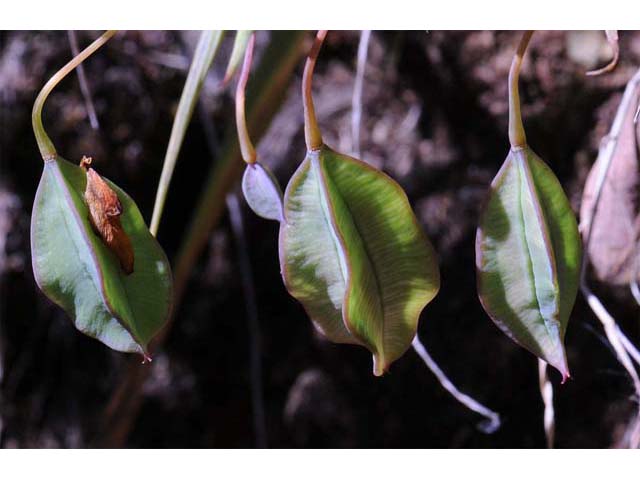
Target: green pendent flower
{"x": 528, "y": 248}
{"x": 351, "y": 249}
{"x": 352, "y": 252}
{"x": 92, "y": 253}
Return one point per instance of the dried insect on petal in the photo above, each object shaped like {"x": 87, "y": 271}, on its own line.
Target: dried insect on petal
{"x": 104, "y": 214}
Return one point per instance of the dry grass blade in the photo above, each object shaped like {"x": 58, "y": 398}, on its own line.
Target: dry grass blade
{"x": 239, "y": 46}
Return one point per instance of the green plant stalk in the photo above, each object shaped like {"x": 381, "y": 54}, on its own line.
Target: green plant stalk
{"x": 205, "y": 52}
{"x": 45, "y": 145}
{"x": 271, "y": 79}
{"x": 312, "y": 135}
{"x": 517, "y": 137}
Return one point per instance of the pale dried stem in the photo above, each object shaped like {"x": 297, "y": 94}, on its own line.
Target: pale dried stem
{"x": 255, "y": 350}
{"x": 493, "y": 418}
{"x": 621, "y": 344}
{"x": 629, "y": 346}
{"x": 546, "y": 392}
{"x": 633, "y": 285}
{"x": 612, "y": 38}
{"x": 356, "y": 100}
{"x": 84, "y": 83}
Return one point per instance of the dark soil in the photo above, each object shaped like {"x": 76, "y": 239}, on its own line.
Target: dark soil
{"x": 434, "y": 117}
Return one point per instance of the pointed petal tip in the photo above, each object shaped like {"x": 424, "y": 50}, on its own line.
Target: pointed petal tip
{"x": 379, "y": 367}
{"x": 558, "y": 360}
{"x": 563, "y": 368}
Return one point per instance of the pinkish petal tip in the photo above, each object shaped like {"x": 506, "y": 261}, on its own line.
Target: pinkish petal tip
{"x": 146, "y": 358}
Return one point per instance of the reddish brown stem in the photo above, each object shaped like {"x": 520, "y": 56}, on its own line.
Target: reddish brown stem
{"x": 312, "y": 135}
{"x": 517, "y": 138}
{"x": 246, "y": 146}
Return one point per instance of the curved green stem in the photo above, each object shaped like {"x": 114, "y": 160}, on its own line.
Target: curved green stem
{"x": 246, "y": 147}
{"x": 517, "y": 137}
{"x": 312, "y": 135}
{"x": 47, "y": 150}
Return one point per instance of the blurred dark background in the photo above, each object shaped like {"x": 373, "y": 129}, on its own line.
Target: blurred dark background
{"x": 434, "y": 118}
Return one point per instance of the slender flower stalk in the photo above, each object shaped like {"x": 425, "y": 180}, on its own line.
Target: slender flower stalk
{"x": 246, "y": 146}
{"x": 47, "y": 150}
{"x": 312, "y": 135}
{"x": 517, "y": 138}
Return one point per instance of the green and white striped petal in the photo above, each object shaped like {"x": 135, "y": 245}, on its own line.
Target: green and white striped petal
{"x": 528, "y": 254}
{"x": 75, "y": 269}
{"x": 352, "y": 252}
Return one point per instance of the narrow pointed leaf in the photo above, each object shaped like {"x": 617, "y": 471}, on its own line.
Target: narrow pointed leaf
{"x": 352, "y": 252}
{"x": 528, "y": 255}
{"x": 76, "y": 270}
{"x": 206, "y": 51}
{"x": 262, "y": 192}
